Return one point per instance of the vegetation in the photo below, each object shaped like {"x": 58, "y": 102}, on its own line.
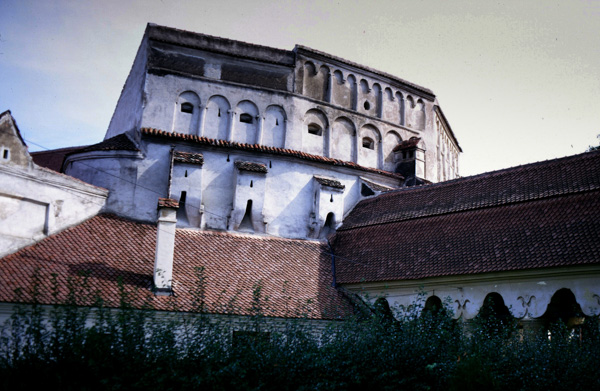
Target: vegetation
{"x": 68, "y": 347}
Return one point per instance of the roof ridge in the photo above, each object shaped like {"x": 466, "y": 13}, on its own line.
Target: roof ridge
{"x": 445, "y": 212}
{"x": 567, "y": 175}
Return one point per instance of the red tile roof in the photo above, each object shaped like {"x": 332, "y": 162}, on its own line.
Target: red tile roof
{"x": 262, "y": 148}
{"x": 54, "y": 158}
{"x": 518, "y": 184}
{"x": 540, "y": 215}
{"x": 295, "y": 275}
{"x": 250, "y": 166}
{"x": 119, "y": 142}
{"x": 167, "y": 203}
{"x": 329, "y": 182}
{"x": 188, "y": 157}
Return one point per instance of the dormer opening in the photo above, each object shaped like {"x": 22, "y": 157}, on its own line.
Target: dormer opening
{"x": 246, "y": 118}
{"x": 187, "y": 107}
{"x": 246, "y": 224}
{"x": 366, "y": 191}
{"x": 315, "y": 129}
{"x": 182, "y": 218}
{"x": 329, "y": 226}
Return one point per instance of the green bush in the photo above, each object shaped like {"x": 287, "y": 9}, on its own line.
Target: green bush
{"x": 71, "y": 347}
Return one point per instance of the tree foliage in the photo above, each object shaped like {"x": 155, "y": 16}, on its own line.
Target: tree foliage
{"x": 70, "y": 347}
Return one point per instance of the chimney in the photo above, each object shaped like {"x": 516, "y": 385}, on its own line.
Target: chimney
{"x": 165, "y": 244}
{"x": 411, "y": 161}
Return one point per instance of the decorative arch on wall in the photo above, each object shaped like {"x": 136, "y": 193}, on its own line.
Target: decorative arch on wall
{"x": 401, "y": 108}
{"x": 341, "y": 90}
{"x": 389, "y": 109}
{"x": 378, "y": 100}
{"x": 187, "y": 113}
{"x": 315, "y": 133}
{"x": 366, "y": 101}
{"x": 390, "y": 141}
{"x": 315, "y": 81}
{"x": 343, "y": 143}
{"x": 274, "y": 127}
{"x": 246, "y": 125}
{"x": 419, "y": 115}
{"x": 366, "y": 156}
{"x": 353, "y": 91}
{"x": 216, "y": 122}
{"x": 410, "y": 106}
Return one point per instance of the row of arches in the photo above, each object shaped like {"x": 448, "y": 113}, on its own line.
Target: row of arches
{"x": 321, "y": 83}
{"x": 218, "y": 119}
{"x": 342, "y": 139}
{"x": 563, "y": 307}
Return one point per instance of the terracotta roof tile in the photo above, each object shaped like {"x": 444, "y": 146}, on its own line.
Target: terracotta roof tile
{"x": 250, "y": 166}
{"x": 117, "y": 143}
{"x": 262, "y": 148}
{"x": 329, "y": 182}
{"x": 295, "y": 275}
{"x": 167, "y": 203}
{"x": 518, "y": 184}
{"x": 188, "y": 157}
{"x": 554, "y": 232}
{"x": 540, "y": 215}
{"x": 53, "y": 159}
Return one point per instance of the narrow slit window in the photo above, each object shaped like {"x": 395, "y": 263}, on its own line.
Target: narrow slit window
{"x": 246, "y": 118}
{"x": 187, "y": 107}
{"x": 368, "y": 143}
{"x": 315, "y": 129}
{"x": 5, "y": 154}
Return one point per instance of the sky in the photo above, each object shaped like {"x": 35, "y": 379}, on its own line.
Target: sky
{"x": 519, "y": 81}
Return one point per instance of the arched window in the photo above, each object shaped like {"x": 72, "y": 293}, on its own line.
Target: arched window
{"x": 368, "y": 142}
{"x": 246, "y": 118}
{"x": 187, "y": 108}
{"x": 563, "y": 308}
{"x": 315, "y": 129}
{"x": 494, "y": 315}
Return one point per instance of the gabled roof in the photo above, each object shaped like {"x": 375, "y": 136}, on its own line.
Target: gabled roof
{"x": 120, "y": 142}
{"x": 7, "y": 116}
{"x": 53, "y": 158}
{"x": 539, "y": 215}
{"x": 151, "y": 132}
{"x": 294, "y": 275}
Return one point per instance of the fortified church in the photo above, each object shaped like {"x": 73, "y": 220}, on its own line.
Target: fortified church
{"x": 318, "y": 179}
